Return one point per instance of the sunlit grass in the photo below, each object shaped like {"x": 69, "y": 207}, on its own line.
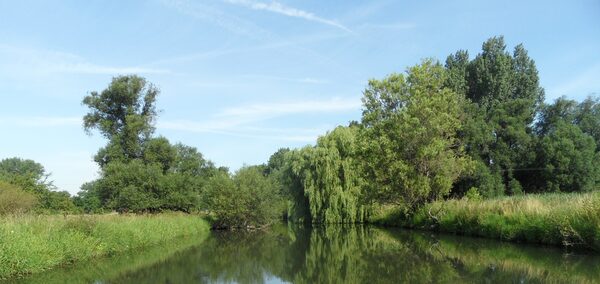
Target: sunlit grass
{"x": 557, "y": 219}
{"x": 30, "y": 244}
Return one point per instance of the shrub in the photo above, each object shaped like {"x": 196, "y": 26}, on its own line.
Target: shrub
{"x": 14, "y": 200}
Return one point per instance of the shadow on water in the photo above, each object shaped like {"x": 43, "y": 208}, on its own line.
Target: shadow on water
{"x": 335, "y": 254}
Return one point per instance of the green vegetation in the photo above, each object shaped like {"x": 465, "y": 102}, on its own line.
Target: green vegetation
{"x": 26, "y": 182}
{"x": 248, "y": 199}
{"x": 15, "y": 200}
{"x": 30, "y": 244}
{"x": 568, "y": 219}
{"x": 323, "y": 181}
{"x": 458, "y": 147}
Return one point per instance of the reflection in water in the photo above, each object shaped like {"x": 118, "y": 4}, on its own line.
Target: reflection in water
{"x": 339, "y": 254}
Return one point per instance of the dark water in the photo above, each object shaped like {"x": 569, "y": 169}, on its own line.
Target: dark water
{"x": 335, "y": 254}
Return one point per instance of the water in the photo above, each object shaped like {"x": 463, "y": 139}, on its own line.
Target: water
{"x": 335, "y": 254}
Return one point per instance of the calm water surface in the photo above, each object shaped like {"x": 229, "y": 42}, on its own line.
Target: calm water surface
{"x": 334, "y": 254}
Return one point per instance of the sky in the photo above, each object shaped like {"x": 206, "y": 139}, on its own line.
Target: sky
{"x": 240, "y": 79}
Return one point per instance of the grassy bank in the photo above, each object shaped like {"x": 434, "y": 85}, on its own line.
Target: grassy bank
{"x": 571, "y": 220}
{"x": 30, "y": 244}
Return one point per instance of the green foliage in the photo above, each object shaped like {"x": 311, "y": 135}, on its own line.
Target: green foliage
{"x": 409, "y": 142}
{"x": 132, "y": 186}
{"x": 567, "y": 158}
{"x": 505, "y": 92}
{"x": 124, "y": 113}
{"x": 31, "y": 177}
{"x": 556, "y": 219}
{"x": 14, "y": 200}
{"x": 88, "y": 199}
{"x": 26, "y": 174}
{"x": 248, "y": 199}
{"x": 330, "y": 180}
{"x": 139, "y": 173}
{"x": 33, "y": 244}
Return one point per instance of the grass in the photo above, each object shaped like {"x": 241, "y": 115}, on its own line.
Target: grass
{"x": 571, "y": 220}
{"x": 31, "y": 244}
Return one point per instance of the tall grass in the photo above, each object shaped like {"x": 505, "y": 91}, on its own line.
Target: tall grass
{"x": 30, "y": 244}
{"x": 571, "y": 220}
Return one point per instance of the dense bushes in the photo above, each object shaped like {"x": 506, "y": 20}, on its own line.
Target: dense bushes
{"x": 248, "y": 199}
{"x": 14, "y": 200}
{"x": 26, "y": 180}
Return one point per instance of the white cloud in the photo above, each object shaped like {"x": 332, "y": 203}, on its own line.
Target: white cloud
{"x": 276, "y": 7}
{"x": 238, "y": 121}
{"x": 29, "y": 60}
{"x": 201, "y": 11}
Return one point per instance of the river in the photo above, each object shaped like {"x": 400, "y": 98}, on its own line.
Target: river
{"x": 334, "y": 254}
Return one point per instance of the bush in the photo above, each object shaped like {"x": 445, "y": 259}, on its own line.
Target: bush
{"x": 14, "y": 200}
{"x": 249, "y": 199}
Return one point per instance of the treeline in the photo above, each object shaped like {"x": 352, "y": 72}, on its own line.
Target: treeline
{"x": 25, "y": 187}
{"x": 477, "y": 127}
{"x": 474, "y": 127}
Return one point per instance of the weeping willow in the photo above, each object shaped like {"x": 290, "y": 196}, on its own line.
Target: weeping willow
{"x": 327, "y": 182}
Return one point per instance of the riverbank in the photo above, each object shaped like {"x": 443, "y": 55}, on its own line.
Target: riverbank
{"x": 32, "y": 244}
{"x": 569, "y": 220}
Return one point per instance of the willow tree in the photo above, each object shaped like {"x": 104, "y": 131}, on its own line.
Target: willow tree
{"x": 328, "y": 184}
{"x": 409, "y": 146}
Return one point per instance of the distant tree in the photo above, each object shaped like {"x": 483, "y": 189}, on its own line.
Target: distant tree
{"x": 26, "y": 174}
{"x": 410, "y": 146}
{"x": 276, "y": 161}
{"x": 88, "y": 199}
{"x": 124, "y": 113}
{"x": 587, "y": 117}
{"x": 30, "y": 176}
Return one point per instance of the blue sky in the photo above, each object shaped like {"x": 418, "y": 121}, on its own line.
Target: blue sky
{"x": 242, "y": 78}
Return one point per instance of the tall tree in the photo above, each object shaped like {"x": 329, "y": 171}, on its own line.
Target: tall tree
{"x": 409, "y": 138}
{"x": 505, "y": 91}
{"x": 124, "y": 113}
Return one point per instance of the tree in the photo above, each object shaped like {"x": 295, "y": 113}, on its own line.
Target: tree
{"x": 26, "y": 174}
{"x": 31, "y": 177}
{"x": 124, "y": 113}
{"x": 409, "y": 141}
{"x": 249, "y": 199}
{"x": 159, "y": 151}
{"x": 566, "y": 157}
{"x": 505, "y": 91}
{"x": 132, "y": 186}
{"x": 587, "y": 117}
{"x": 568, "y": 160}
{"x": 330, "y": 180}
